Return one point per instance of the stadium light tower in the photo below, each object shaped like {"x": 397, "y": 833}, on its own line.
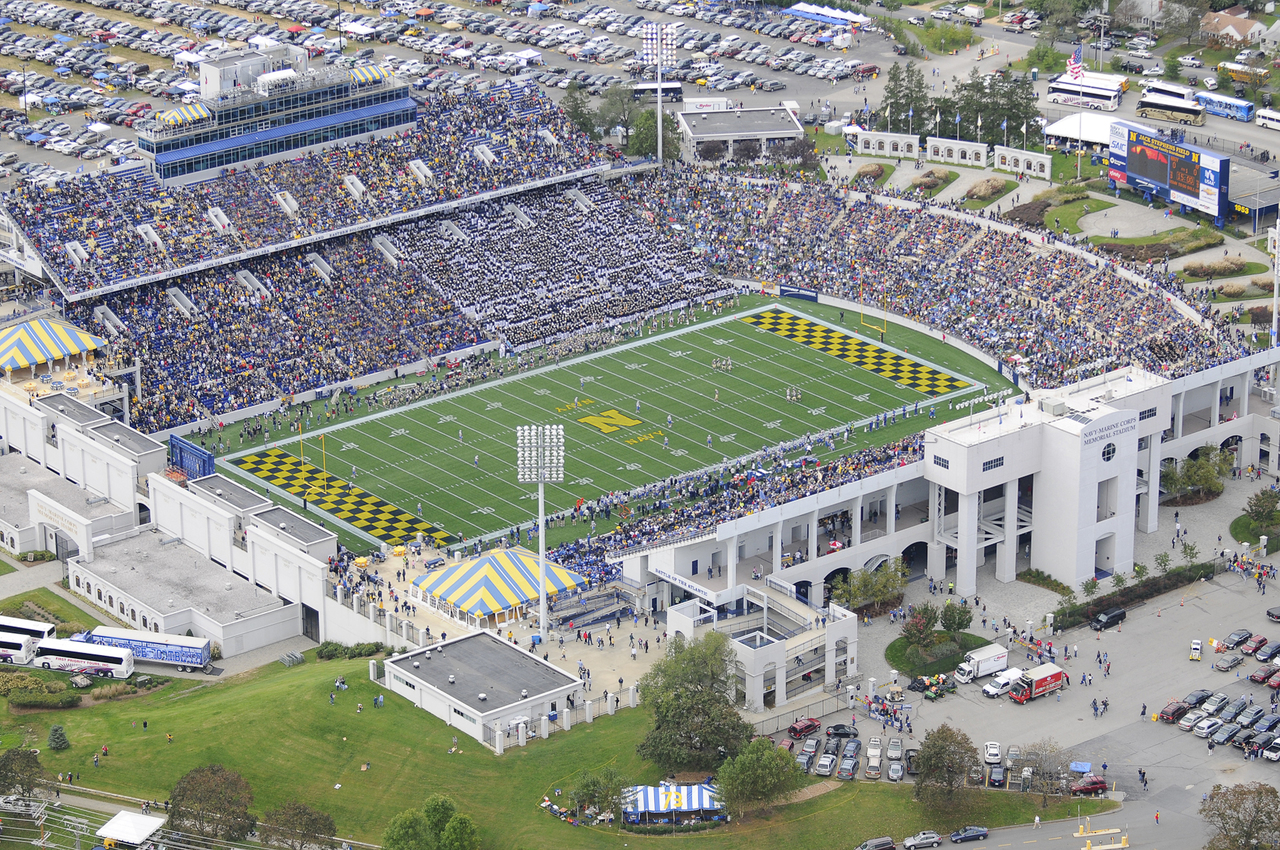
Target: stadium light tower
{"x": 540, "y": 458}
{"x": 659, "y": 47}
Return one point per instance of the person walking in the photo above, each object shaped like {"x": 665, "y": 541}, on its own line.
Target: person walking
{"x": 1037, "y": 824}
{"x": 1157, "y": 817}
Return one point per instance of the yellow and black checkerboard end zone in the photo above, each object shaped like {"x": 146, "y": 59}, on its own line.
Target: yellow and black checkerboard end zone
{"x": 859, "y": 352}
{"x": 350, "y": 504}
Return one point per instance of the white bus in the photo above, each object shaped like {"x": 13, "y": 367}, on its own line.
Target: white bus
{"x": 1168, "y": 90}
{"x": 1087, "y": 95}
{"x": 1269, "y": 118}
{"x": 16, "y": 649}
{"x": 1173, "y": 109}
{"x": 76, "y": 656}
{"x": 30, "y": 628}
{"x": 1118, "y": 80}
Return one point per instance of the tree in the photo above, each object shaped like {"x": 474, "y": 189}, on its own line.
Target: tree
{"x": 1182, "y": 18}
{"x": 945, "y": 759}
{"x": 607, "y": 790}
{"x": 1140, "y": 571}
{"x": 1049, "y": 762}
{"x": 1190, "y": 554}
{"x": 695, "y": 725}
{"x": 577, "y": 108}
{"x": 1203, "y": 473}
{"x": 919, "y": 625}
{"x": 619, "y": 108}
{"x": 1261, "y": 508}
{"x": 409, "y": 830}
{"x": 1117, "y": 580}
{"x": 955, "y": 619}
{"x": 438, "y": 810}
{"x": 747, "y": 150}
{"x": 1090, "y": 587}
{"x": 644, "y": 136}
{"x": 757, "y": 777}
{"x": 892, "y": 5}
{"x": 460, "y": 834}
{"x": 889, "y": 581}
{"x": 212, "y": 802}
{"x": 1162, "y": 560}
{"x": 21, "y": 772}
{"x": 713, "y": 151}
{"x": 295, "y": 826}
{"x": 58, "y": 738}
{"x": 1245, "y": 816}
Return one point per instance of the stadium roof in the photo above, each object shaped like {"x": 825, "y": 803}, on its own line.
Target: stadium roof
{"x": 43, "y": 341}
{"x": 496, "y": 581}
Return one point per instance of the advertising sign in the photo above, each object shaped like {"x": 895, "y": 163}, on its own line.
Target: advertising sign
{"x": 1180, "y": 173}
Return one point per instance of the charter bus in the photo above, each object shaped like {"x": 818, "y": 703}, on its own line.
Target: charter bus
{"x": 16, "y": 649}
{"x": 1106, "y": 79}
{"x": 30, "y": 628}
{"x": 1227, "y": 107}
{"x": 1269, "y": 118}
{"x": 79, "y": 657}
{"x": 1168, "y": 90}
{"x": 1173, "y": 109}
{"x": 671, "y": 91}
{"x": 1088, "y": 95}
{"x": 1244, "y": 73}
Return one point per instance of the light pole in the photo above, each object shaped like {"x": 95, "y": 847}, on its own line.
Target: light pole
{"x": 540, "y": 458}
{"x": 659, "y": 47}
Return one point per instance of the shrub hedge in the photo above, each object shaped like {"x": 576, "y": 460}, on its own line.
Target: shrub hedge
{"x": 31, "y": 699}
{"x": 1131, "y": 594}
{"x": 331, "y": 649}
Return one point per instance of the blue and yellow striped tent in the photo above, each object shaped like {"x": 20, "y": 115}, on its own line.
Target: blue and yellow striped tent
{"x": 185, "y": 114}
{"x": 368, "y": 74}
{"x": 43, "y": 341}
{"x": 496, "y": 582}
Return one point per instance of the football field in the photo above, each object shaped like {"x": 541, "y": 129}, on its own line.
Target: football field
{"x": 669, "y": 403}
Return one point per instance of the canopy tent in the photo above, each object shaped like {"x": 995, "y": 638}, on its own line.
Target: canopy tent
{"x": 494, "y": 585}
{"x": 357, "y": 29}
{"x": 529, "y": 55}
{"x": 424, "y": 13}
{"x": 102, "y": 75}
{"x": 825, "y": 14}
{"x": 43, "y": 341}
{"x": 100, "y": 127}
{"x": 184, "y": 114}
{"x": 297, "y": 28}
{"x": 131, "y": 828}
{"x": 186, "y": 57}
{"x": 36, "y": 138}
{"x": 368, "y": 74}
{"x": 263, "y": 42}
{"x": 63, "y": 39}
{"x": 1088, "y": 127}
{"x": 650, "y": 802}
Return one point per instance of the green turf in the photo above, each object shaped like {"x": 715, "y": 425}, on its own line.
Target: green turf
{"x": 896, "y": 654}
{"x": 982, "y": 203}
{"x": 63, "y": 610}
{"x": 276, "y": 727}
{"x": 413, "y": 454}
{"x": 1070, "y": 214}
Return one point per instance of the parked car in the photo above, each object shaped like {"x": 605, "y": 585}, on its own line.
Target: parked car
{"x": 1253, "y": 644}
{"x": 1228, "y": 662}
{"x": 895, "y": 771}
{"x": 969, "y": 833}
{"x": 1190, "y": 719}
{"x": 804, "y": 728}
{"x": 842, "y": 730}
{"x": 1089, "y": 784}
{"x": 1215, "y": 703}
{"x": 826, "y": 765}
{"x": 991, "y": 752}
{"x": 928, "y": 838}
{"x": 1226, "y": 734}
{"x": 1174, "y": 711}
{"x": 1197, "y": 697}
{"x": 1237, "y": 638}
{"x": 1207, "y": 728}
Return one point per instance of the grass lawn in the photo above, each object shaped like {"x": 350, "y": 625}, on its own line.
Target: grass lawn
{"x": 1243, "y": 531}
{"x": 1250, "y": 269}
{"x": 412, "y": 454}
{"x": 1070, "y": 214}
{"x": 896, "y": 654}
{"x": 978, "y": 203}
{"x": 1180, "y": 240}
{"x": 1056, "y": 63}
{"x": 6, "y": 567}
{"x": 825, "y": 143}
{"x": 276, "y": 727}
{"x": 62, "y": 610}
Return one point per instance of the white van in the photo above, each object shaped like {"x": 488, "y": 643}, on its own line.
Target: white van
{"x": 598, "y": 43}
{"x": 1141, "y": 54}
{"x": 1000, "y": 685}
{"x": 551, "y": 29}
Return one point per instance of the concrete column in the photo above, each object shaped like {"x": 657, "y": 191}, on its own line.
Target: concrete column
{"x": 373, "y": 671}
{"x": 891, "y": 509}
{"x": 1149, "y": 521}
{"x": 967, "y": 550}
{"x": 936, "y": 561}
{"x": 830, "y": 663}
{"x": 813, "y": 535}
{"x": 499, "y": 739}
{"x": 633, "y": 699}
{"x": 777, "y": 547}
{"x": 855, "y": 519}
{"x": 1007, "y": 551}
{"x": 590, "y": 711}
{"x": 566, "y": 717}
{"x": 731, "y": 558}
{"x": 1217, "y": 403}
{"x": 544, "y": 727}
{"x": 522, "y": 734}
{"x": 1178, "y": 404}
{"x": 611, "y": 703}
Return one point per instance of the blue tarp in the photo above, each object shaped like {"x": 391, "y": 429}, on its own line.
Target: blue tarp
{"x": 810, "y": 16}
{"x": 101, "y": 75}
{"x": 538, "y": 7}
{"x": 36, "y": 137}
{"x": 62, "y": 38}
{"x": 62, "y": 70}
{"x": 6, "y": 20}
{"x": 51, "y": 99}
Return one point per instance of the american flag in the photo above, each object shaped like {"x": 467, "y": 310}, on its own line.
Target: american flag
{"x": 1075, "y": 65}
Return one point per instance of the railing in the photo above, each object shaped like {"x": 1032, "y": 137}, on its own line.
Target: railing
{"x": 619, "y": 554}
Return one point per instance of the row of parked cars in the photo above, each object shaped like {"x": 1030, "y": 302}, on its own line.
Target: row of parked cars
{"x": 1222, "y": 720}
{"x": 839, "y": 754}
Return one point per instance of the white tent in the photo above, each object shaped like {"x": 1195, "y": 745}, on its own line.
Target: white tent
{"x": 99, "y": 127}
{"x": 1088, "y": 127}
{"x": 263, "y": 42}
{"x": 130, "y": 828}
{"x": 529, "y": 55}
{"x": 357, "y": 29}
{"x": 186, "y": 57}
{"x": 828, "y": 12}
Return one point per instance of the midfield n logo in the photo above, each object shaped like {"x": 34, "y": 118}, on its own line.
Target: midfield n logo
{"x": 609, "y": 421}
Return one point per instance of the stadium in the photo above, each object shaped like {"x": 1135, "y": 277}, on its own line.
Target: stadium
{"x": 765, "y": 385}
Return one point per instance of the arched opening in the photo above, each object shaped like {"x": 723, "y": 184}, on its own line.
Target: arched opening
{"x": 122, "y": 608}
{"x": 894, "y": 147}
{"x": 916, "y": 558}
{"x": 803, "y": 589}
{"x": 99, "y": 594}
{"x": 911, "y": 148}
{"x": 880, "y": 145}
{"x": 77, "y": 581}
{"x": 133, "y": 614}
{"x": 144, "y": 514}
{"x": 829, "y": 582}
{"x": 144, "y": 621}
{"x": 964, "y": 154}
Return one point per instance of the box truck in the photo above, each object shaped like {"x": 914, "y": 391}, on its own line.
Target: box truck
{"x": 982, "y": 661}
{"x": 1037, "y": 682}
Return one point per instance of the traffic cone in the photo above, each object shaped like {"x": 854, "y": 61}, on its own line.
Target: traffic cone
{"x": 1157, "y": 612}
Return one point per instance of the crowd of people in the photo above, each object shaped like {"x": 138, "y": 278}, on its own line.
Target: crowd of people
{"x": 527, "y": 135}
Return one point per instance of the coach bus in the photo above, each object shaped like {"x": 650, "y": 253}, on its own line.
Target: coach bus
{"x": 30, "y": 628}
{"x": 1269, "y": 118}
{"x": 1227, "y": 107}
{"x": 1168, "y": 90}
{"x": 1095, "y": 77}
{"x": 1088, "y": 95}
{"x": 16, "y": 649}
{"x": 1244, "y": 73}
{"x": 79, "y": 657}
{"x": 671, "y": 91}
{"x": 1173, "y": 109}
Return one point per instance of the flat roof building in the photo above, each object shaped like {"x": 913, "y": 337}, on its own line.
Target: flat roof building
{"x": 768, "y": 126}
